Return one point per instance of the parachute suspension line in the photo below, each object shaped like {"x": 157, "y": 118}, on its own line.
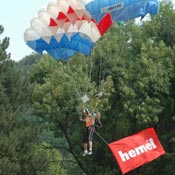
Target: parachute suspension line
{"x": 88, "y": 74}
{"x": 86, "y": 78}
{"x": 72, "y": 72}
{"x": 101, "y": 76}
{"x": 91, "y": 63}
{"x": 84, "y": 88}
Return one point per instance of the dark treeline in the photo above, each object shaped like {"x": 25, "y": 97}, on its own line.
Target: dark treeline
{"x": 40, "y": 106}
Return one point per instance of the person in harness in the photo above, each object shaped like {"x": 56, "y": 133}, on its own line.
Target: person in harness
{"x": 90, "y": 120}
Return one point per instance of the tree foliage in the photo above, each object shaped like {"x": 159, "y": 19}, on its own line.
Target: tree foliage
{"x": 19, "y": 152}
{"x": 134, "y": 64}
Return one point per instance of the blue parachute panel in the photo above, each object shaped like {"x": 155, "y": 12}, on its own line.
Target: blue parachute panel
{"x": 122, "y": 10}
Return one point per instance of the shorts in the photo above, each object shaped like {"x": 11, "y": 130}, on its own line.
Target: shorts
{"x": 88, "y": 136}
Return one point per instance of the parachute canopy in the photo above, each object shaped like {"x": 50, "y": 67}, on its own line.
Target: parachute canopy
{"x": 66, "y": 27}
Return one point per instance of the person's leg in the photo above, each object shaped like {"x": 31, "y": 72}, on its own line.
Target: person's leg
{"x": 91, "y": 133}
{"x": 90, "y": 146}
{"x": 85, "y": 143}
{"x": 85, "y": 147}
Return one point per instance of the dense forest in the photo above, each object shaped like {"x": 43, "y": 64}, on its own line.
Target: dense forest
{"x": 40, "y": 101}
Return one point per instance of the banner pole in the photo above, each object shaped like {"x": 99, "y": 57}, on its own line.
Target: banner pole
{"x": 101, "y": 138}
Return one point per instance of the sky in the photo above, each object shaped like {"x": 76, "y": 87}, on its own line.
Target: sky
{"x": 15, "y": 17}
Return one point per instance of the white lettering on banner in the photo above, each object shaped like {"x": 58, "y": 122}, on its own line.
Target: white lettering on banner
{"x": 150, "y": 145}
{"x": 112, "y": 8}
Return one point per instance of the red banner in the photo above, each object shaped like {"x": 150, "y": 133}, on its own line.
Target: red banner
{"x": 136, "y": 150}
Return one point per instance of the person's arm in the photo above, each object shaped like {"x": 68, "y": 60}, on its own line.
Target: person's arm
{"x": 82, "y": 119}
{"x": 98, "y": 114}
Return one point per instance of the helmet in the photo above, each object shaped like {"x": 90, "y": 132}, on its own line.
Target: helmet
{"x": 86, "y": 110}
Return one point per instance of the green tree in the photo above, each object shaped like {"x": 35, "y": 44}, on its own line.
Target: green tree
{"x": 18, "y": 144}
{"x": 161, "y": 27}
{"x": 56, "y": 98}
{"x": 134, "y": 68}
{"x": 8, "y": 163}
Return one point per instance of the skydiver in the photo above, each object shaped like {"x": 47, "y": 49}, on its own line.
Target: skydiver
{"x": 89, "y": 118}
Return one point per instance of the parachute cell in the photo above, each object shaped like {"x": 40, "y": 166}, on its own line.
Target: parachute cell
{"x": 66, "y": 27}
